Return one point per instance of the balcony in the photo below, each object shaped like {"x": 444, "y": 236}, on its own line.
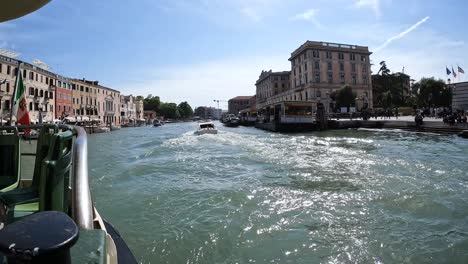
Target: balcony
{"x": 109, "y": 113}
{"x": 52, "y": 88}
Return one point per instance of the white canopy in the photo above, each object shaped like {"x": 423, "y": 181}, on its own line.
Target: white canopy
{"x": 70, "y": 119}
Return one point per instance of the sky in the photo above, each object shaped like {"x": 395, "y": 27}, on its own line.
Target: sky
{"x": 204, "y": 50}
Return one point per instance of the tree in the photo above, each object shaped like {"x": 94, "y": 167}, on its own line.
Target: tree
{"x": 152, "y": 103}
{"x": 139, "y": 97}
{"x": 433, "y": 93}
{"x": 383, "y": 69}
{"x": 345, "y": 97}
{"x": 169, "y": 110}
{"x": 185, "y": 110}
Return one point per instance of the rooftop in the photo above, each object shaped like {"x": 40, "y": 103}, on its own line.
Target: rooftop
{"x": 320, "y": 45}
{"x": 241, "y": 98}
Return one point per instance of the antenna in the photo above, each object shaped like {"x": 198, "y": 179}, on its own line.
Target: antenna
{"x": 41, "y": 64}
{"x": 9, "y": 53}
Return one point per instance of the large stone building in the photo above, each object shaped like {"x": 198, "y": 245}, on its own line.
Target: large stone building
{"x": 270, "y": 85}
{"x": 317, "y": 70}
{"x": 40, "y": 89}
{"x": 460, "y": 96}
{"x": 320, "y": 68}
{"x": 236, "y": 104}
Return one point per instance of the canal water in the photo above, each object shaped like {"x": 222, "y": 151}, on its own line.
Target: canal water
{"x": 250, "y": 196}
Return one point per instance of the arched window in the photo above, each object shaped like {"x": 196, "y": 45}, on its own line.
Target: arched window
{"x": 36, "y": 92}
{"x": 31, "y": 91}
{"x": 30, "y": 106}
{"x": 7, "y": 87}
{"x": 41, "y": 93}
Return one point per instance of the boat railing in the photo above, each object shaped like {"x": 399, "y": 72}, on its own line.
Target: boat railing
{"x": 82, "y": 205}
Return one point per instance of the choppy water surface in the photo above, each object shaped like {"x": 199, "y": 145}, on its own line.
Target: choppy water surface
{"x": 250, "y": 196}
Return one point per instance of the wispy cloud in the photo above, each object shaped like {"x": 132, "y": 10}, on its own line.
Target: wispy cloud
{"x": 251, "y": 13}
{"x": 373, "y": 4}
{"x": 402, "y": 34}
{"x": 308, "y": 15}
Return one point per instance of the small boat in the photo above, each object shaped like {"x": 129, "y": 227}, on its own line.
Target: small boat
{"x": 47, "y": 213}
{"x": 206, "y": 128}
{"x": 157, "y": 123}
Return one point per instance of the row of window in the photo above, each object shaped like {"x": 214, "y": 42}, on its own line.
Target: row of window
{"x": 330, "y": 67}
{"x": 328, "y": 55}
{"x": 32, "y": 76}
{"x": 40, "y": 93}
{"x": 330, "y": 79}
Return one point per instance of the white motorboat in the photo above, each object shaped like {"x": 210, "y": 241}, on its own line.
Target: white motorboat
{"x": 206, "y": 128}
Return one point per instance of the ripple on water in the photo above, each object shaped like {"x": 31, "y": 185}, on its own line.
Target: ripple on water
{"x": 248, "y": 196}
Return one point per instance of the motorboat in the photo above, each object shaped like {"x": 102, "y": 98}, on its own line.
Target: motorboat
{"x": 232, "y": 122}
{"x": 48, "y": 215}
{"x": 157, "y": 123}
{"x": 206, "y": 128}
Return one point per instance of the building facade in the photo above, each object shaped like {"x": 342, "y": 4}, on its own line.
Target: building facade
{"x": 206, "y": 112}
{"x": 320, "y": 68}
{"x": 139, "y": 109}
{"x": 84, "y": 100}
{"x": 270, "y": 85}
{"x": 63, "y": 98}
{"x": 236, "y": 104}
{"x": 40, "y": 89}
{"x": 127, "y": 109}
{"x": 460, "y": 96}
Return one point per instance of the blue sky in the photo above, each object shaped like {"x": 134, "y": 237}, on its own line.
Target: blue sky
{"x": 202, "y": 50}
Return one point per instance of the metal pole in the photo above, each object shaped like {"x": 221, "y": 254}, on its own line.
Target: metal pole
{"x": 14, "y": 92}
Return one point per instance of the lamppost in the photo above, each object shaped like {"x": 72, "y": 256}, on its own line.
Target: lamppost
{"x": 2, "y": 93}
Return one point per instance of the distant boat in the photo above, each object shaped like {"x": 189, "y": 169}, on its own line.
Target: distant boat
{"x": 157, "y": 123}
{"x": 232, "y": 121}
{"x": 206, "y": 128}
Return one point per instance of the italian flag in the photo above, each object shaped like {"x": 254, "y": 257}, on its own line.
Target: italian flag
{"x": 20, "y": 108}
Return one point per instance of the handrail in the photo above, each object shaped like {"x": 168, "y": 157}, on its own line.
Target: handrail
{"x": 82, "y": 205}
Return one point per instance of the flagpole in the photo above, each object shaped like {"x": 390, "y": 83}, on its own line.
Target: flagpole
{"x": 14, "y": 91}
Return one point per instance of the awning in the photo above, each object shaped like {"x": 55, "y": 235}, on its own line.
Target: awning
{"x": 3, "y": 121}
{"x": 70, "y": 119}
{"x": 34, "y": 120}
{"x": 83, "y": 118}
{"x": 95, "y": 119}
{"x": 142, "y": 120}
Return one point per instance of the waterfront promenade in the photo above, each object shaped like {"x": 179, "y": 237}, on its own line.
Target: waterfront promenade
{"x": 433, "y": 125}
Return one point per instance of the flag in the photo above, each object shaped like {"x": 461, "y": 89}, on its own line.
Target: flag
{"x": 454, "y": 73}
{"x": 19, "y": 104}
{"x": 448, "y": 71}
{"x": 460, "y": 70}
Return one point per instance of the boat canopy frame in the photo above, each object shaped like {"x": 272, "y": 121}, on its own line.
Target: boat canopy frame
{"x": 81, "y": 201}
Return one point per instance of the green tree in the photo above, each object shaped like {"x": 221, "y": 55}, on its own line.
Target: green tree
{"x": 169, "y": 110}
{"x": 152, "y": 103}
{"x": 345, "y": 97}
{"x": 185, "y": 110}
{"x": 433, "y": 93}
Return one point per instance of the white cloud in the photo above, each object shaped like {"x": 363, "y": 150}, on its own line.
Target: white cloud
{"x": 251, "y": 13}
{"x": 308, "y": 15}
{"x": 401, "y": 34}
{"x": 373, "y": 4}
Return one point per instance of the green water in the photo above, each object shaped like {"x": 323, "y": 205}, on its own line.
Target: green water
{"x": 249, "y": 196}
